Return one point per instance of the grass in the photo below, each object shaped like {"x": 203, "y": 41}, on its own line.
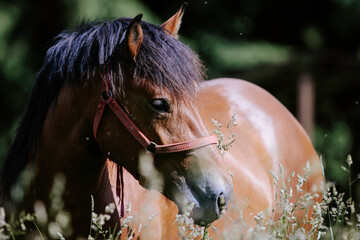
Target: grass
{"x": 333, "y": 217}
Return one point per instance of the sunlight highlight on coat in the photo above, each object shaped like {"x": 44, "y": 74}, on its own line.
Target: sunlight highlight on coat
{"x": 259, "y": 183}
{"x": 261, "y": 121}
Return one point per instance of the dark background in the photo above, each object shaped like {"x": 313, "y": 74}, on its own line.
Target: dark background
{"x": 271, "y": 43}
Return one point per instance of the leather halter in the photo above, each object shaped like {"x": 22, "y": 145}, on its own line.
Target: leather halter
{"x": 107, "y": 100}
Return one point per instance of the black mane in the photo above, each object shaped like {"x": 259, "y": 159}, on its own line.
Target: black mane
{"x": 78, "y": 55}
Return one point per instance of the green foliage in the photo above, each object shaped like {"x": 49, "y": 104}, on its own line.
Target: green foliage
{"x": 231, "y": 55}
{"x": 108, "y": 9}
{"x": 312, "y": 38}
{"x": 334, "y": 143}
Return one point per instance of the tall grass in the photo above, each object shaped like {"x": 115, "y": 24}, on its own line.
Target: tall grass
{"x": 332, "y": 218}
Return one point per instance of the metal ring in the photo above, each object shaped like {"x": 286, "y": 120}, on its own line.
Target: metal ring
{"x": 152, "y": 147}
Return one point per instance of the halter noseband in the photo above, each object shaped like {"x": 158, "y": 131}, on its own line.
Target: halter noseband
{"x": 107, "y": 100}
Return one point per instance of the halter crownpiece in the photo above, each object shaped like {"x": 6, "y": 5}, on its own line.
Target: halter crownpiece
{"x": 106, "y": 99}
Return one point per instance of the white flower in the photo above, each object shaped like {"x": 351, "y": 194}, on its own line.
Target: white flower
{"x": 349, "y": 160}
{"x": 110, "y": 208}
{"x": 54, "y": 228}
{"x": 40, "y": 213}
{"x": 2, "y": 217}
{"x": 128, "y": 208}
{"x": 63, "y": 218}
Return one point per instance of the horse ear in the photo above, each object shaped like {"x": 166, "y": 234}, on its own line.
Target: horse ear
{"x": 134, "y": 37}
{"x": 173, "y": 24}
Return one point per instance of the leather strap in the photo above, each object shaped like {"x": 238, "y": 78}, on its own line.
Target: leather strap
{"x": 184, "y": 146}
{"x": 107, "y": 100}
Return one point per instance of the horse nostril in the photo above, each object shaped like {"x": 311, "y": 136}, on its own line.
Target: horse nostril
{"x": 221, "y": 199}
{"x": 221, "y": 202}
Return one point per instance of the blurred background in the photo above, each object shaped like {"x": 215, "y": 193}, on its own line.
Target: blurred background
{"x": 306, "y": 53}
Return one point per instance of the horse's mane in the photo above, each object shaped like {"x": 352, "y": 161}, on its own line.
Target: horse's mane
{"x": 77, "y": 55}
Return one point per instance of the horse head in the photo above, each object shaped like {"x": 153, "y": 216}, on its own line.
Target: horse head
{"x": 157, "y": 95}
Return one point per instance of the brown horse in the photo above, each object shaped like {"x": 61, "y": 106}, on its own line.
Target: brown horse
{"x": 267, "y": 135}
{"x": 150, "y": 87}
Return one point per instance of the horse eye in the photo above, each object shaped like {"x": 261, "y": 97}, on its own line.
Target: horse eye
{"x": 160, "y": 105}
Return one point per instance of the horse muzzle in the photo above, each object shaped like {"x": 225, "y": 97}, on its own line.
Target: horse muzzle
{"x": 208, "y": 198}
{"x": 210, "y": 209}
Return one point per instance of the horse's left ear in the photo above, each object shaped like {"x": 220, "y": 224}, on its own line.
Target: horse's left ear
{"x": 172, "y": 25}
{"x": 134, "y": 37}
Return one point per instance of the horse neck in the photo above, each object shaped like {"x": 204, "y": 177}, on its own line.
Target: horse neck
{"x": 66, "y": 145}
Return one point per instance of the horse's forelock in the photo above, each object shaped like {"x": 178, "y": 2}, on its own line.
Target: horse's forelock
{"x": 168, "y": 63}
{"x": 165, "y": 61}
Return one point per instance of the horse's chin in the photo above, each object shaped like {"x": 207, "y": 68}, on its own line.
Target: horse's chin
{"x": 202, "y": 217}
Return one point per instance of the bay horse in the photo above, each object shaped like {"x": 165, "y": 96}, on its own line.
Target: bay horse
{"x": 110, "y": 91}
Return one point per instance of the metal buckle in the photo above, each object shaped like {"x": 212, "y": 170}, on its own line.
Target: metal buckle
{"x": 152, "y": 147}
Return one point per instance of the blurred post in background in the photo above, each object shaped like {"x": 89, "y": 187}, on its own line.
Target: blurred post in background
{"x": 305, "y": 103}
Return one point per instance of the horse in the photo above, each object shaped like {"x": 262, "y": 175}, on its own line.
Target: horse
{"x": 112, "y": 91}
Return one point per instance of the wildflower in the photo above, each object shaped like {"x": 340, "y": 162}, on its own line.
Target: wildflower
{"x": 231, "y": 174}
{"x": 22, "y": 224}
{"x": 92, "y": 203}
{"x": 126, "y": 221}
{"x": 300, "y": 234}
{"x": 40, "y": 213}
{"x": 274, "y": 175}
{"x": 3, "y": 235}
{"x": 222, "y": 146}
{"x": 153, "y": 216}
{"x": 259, "y": 216}
{"x": 301, "y": 181}
{"x": 54, "y": 228}
{"x": 101, "y": 220}
{"x": 110, "y": 208}
{"x": 61, "y": 237}
{"x": 2, "y": 217}
{"x": 63, "y": 219}
{"x": 93, "y": 217}
{"x": 128, "y": 208}
{"x": 345, "y": 169}
{"x": 281, "y": 171}
{"x": 349, "y": 160}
